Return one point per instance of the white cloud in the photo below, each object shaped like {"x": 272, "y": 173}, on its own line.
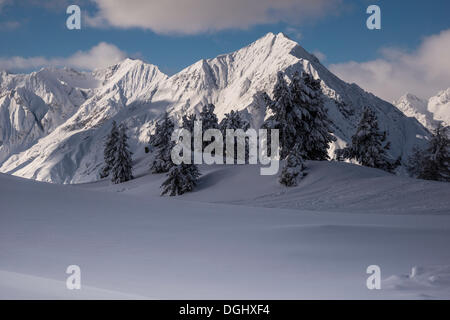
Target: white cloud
{"x": 423, "y": 72}
{"x": 101, "y": 55}
{"x": 197, "y": 16}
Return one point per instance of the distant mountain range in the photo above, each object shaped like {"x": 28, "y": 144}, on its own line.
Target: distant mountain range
{"x": 53, "y": 122}
{"x": 428, "y": 112}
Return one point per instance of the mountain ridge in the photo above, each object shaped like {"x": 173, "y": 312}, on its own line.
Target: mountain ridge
{"x": 138, "y": 94}
{"x": 429, "y": 112}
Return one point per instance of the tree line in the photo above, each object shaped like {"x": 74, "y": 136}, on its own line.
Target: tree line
{"x": 297, "y": 110}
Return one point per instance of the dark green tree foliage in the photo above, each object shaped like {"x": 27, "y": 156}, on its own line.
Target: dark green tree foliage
{"x": 180, "y": 179}
{"x": 368, "y": 145}
{"x": 163, "y": 145}
{"x": 314, "y": 127}
{"x": 122, "y": 169}
{"x": 209, "y": 120}
{"x": 433, "y": 163}
{"x": 299, "y": 115}
{"x": 293, "y": 171}
{"x": 234, "y": 121}
{"x": 188, "y": 124}
{"x": 110, "y": 150}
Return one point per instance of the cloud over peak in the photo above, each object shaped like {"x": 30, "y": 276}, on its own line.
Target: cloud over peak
{"x": 199, "y": 16}
{"x": 99, "y": 56}
{"x": 423, "y": 72}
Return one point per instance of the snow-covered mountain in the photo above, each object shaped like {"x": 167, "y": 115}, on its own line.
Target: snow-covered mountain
{"x": 53, "y": 122}
{"x": 428, "y": 113}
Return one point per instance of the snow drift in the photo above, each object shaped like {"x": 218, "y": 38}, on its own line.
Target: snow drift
{"x": 130, "y": 244}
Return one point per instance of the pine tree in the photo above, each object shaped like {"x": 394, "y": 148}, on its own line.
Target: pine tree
{"x": 163, "y": 144}
{"x": 188, "y": 123}
{"x": 314, "y": 126}
{"x": 368, "y": 145}
{"x": 110, "y": 150}
{"x": 299, "y": 115}
{"x": 293, "y": 171}
{"x": 433, "y": 163}
{"x": 209, "y": 120}
{"x": 122, "y": 170}
{"x": 180, "y": 179}
{"x": 281, "y": 107}
{"x": 234, "y": 121}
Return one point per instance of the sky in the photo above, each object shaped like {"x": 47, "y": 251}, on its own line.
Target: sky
{"x": 409, "y": 54}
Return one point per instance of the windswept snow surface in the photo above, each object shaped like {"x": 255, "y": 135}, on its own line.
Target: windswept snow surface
{"x": 238, "y": 236}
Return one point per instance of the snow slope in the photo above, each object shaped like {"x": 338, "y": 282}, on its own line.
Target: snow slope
{"x": 440, "y": 106}
{"x": 132, "y": 244}
{"x": 428, "y": 113}
{"x": 138, "y": 93}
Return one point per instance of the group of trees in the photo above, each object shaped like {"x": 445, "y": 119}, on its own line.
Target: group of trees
{"x": 368, "y": 145}
{"x": 181, "y": 178}
{"x": 433, "y": 162}
{"x": 117, "y": 156}
{"x": 305, "y": 131}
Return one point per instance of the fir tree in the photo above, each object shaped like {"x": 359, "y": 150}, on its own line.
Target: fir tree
{"x": 293, "y": 171}
{"x": 209, "y": 121}
{"x": 234, "y": 121}
{"x": 110, "y": 151}
{"x": 209, "y": 118}
{"x": 188, "y": 123}
{"x": 122, "y": 169}
{"x": 368, "y": 145}
{"x": 163, "y": 144}
{"x": 180, "y": 179}
{"x": 281, "y": 107}
{"x": 299, "y": 115}
{"x": 312, "y": 122}
{"x": 433, "y": 163}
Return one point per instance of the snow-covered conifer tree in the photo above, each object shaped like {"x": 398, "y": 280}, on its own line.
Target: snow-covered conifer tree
{"x": 188, "y": 123}
{"x": 299, "y": 115}
{"x": 122, "y": 169}
{"x": 313, "y": 127}
{"x": 433, "y": 163}
{"x": 293, "y": 171}
{"x": 234, "y": 121}
{"x": 368, "y": 145}
{"x": 180, "y": 179}
{"x": 161, "y": 141}
{"x": 209, "y": 120}
{"x": 280, "y": 107}
{"x": 110, "y": 151}
{"x": 208, "y": 117}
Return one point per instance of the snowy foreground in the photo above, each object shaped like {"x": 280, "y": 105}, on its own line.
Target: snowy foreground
{"x": 240, "y": 235}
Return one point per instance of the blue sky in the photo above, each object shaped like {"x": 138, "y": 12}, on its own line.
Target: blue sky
{"x": 32, "y": 28}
